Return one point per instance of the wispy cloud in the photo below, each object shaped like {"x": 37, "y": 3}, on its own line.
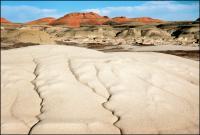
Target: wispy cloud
{"x": 166, "y": 10}
{"x": 26, "y": 13}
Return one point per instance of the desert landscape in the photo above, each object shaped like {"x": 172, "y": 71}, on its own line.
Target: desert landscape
{"x": 85, "y": 73}
{"x": 106, "y": 34}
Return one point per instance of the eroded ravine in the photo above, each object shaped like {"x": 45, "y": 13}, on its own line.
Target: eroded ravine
{"x": 16, "y": 118}
{"x": 108, "y": 99}
{"x": 34, "y": 82}
{"x": 48, "y": 84}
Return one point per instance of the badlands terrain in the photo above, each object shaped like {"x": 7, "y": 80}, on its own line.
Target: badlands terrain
{"x": 106, "y": 34}
{"x": 89, "y": 74}
{"x": 71, "y": 90}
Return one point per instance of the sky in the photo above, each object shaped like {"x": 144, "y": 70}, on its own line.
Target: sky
{"x": 24, "y": 11}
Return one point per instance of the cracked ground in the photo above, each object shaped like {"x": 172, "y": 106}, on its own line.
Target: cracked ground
{"x": 70, "y": 90}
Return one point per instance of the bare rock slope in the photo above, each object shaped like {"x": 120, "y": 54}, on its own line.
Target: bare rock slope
{"x": 24, "y": 37}
{"x": 46, "y": 20}
{"x": 58, "y": 89}
{"x": 4, "y": 20}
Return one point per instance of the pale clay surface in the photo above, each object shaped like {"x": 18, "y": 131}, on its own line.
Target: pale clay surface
{"x": 58, "y": 89}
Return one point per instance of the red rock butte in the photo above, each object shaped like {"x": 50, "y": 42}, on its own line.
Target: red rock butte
{"x": 88, "y": 18}
{"x": 3, "y": 20}
{"x": 46, "y": 20}
{"x": 78, "y": 19}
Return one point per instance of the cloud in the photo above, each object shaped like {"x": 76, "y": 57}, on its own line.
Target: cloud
{"x": 26, "y": 13}
{"x": 166, "y": 10}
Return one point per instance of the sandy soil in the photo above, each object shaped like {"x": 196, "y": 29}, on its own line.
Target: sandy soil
{"x": 62, "y": 89}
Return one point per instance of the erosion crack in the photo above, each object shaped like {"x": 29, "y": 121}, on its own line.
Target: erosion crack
{"x": 108, "y": 99}
{"x": 36, "y": 89}
{"x": 77, "y": 78}
{"x": 93, "y": 89}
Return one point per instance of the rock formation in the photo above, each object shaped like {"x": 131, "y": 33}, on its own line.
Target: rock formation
{"x": 78, "y": 19}
{"x": 121, "y": 19}
{"x": 90, "y": 18}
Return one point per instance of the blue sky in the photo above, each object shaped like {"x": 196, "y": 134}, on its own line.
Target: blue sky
{"x": 23, "y": 11}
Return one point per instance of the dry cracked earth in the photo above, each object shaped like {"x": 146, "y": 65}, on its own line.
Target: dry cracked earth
{"x": 62, "y": 89}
